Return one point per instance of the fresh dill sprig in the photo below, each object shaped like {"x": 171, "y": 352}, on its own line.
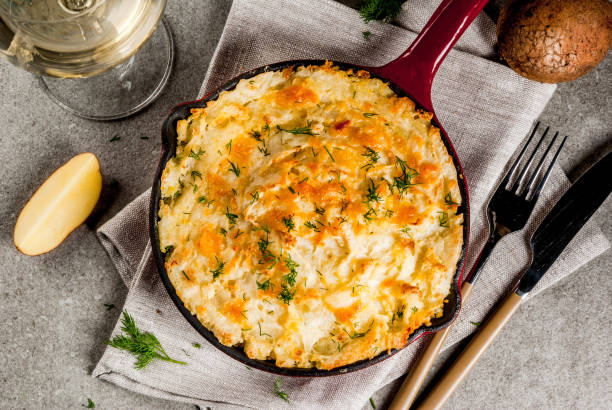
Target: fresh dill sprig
{"x": 144, "y": 345}
{"x": 443, "y": 219}
{"x": 370, "y": 214}
{"x": 289, "y": 223}
{"x": 266, "y": 254}
{"x": 168, "y": 251}
{"x": 292, "y": 266}
{"x": 279, "y": 392}
{"x": 371, "y": 194}
{"x": 195, "y": 175}
{"x": 404, "y": 181}
{"x": 329, "y": 153}
{"x": 385, "y": 10}
{"x": 312, "y": 226}
{"x": 196, "y": 155}
{"x": 231, "y": 218}
{"x": 254, "y": 197}
{"x": 357, "y": 335}
{"x": 305, "y": 130}
{"x": 286, "y": 294}
{"x": 448, "y": 199}
{"x": 318, "y": 210}
{"x": 265, "y": 285}
{"x": 257, "y": 135}
{"x": 205, "y": 201}
{"x": 372, "y": 156}
{"x": 233, "y": 168}
{"x": 218, "y": 271}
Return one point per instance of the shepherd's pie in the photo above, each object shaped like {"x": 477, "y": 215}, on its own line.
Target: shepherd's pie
{"x": 309, "y": 216}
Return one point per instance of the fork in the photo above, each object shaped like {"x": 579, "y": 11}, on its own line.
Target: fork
{"x": 507, "y": 211}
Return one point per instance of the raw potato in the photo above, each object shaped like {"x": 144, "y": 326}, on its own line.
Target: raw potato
{"x": 61, "y": 204}
{"x": 554, "y": 40}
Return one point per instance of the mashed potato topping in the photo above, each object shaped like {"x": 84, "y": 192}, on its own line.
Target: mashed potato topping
{"x": 309, "y": 216}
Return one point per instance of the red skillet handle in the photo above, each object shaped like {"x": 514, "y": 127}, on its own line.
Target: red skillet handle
{"x": 415, "y": 69}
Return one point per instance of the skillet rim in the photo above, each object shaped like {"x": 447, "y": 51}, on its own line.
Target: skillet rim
{"x": 169, "y": 138}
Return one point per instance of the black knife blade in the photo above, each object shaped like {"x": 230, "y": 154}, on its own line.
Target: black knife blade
{"x": 566, "y": 218}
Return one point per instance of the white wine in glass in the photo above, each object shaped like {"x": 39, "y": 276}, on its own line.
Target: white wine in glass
{"x": 86, "y": 51}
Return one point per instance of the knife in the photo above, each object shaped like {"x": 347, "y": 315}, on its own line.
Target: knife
{"x": 561, "y": 224}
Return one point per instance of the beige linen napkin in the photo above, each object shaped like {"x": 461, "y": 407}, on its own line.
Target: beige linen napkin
{"x": 487, "y": 110}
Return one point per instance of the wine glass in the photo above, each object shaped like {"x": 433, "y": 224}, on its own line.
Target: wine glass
{"x": 85, "y": 51}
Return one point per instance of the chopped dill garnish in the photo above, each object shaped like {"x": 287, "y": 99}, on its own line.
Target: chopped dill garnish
{"x": 356, "y": 334}
{"x": 168, "y": 251}
{"x": 264, "y": 150}
{"x": 286, "y": 295}
{"x": 414, "y": 309}
{"x": 223, "y": 231}
{"x": 329, "y": 153}
{"x": 385, "y": 10}
{"x": 372, "y": 403}
{"x": 196, "y": 345}
{"x": 305, "y": 130}
{"x": 144, "y": 137}
{"x": 196, "y": 155}
{"x": 238, "y": 233}
{"x": 218, "y": 271}
{"x": 388, "y": 213}
{"x": 318, "y": 210}
{"x": 254, "y": 197}
{"x": 404, "y": 181}
{"x": 443, "y": 219}
{"x": 260, "y": 332}
{"x": 289, "y": 223}
{"x": 303, "y": 180}
{"x": 314, "y": 154}
{"x": 233, "y": 168}
{"x": 406, "y": 230}
{"x": 231, "y": 218}
{"x": 292, "y": 266}
{"x": 475, "y": 323}
{"x": 90, "y": 404}
{"x": 205, "y": 201}
{"x": 279, "y": 392}
{"x": 266, "y": 254}
{"x": 448, "y": 199}
{"x": 371, "y": 194}
{"x": 144, "y": 345}
{"x": 372, "y": 156}
{"x": 109, "y": 306}
{"x": 369, "y": 114}
{"x": 196, "y": 174}
{"x": 195, "y": 188}
{"x": 228, "y": 147}
{"x": 256, "y": 135}
{"x": 366, "y": 35}
{"x": 369, "y": 215}
{"x": 185, "y": 275}
{"x": 290, "y": 188}
{"x": 266, "y": 285}
{"x": 312, "y": 226}
{"x": 115, "y": 138}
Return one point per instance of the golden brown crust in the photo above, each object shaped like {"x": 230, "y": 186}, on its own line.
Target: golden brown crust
{"x": 310, "y": 217}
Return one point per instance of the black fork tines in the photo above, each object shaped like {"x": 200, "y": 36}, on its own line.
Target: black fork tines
{"x": 530, "y": 189}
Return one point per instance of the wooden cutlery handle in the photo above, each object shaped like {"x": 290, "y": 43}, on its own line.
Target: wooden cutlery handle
{"x": 468, "y": 358}
{"x": 414, "y": 380}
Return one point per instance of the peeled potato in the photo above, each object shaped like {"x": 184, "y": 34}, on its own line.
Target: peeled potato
{"x": 62, "y": 203}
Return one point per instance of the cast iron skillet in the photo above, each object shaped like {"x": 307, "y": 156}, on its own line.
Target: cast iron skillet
{"x": 409, "y": 75}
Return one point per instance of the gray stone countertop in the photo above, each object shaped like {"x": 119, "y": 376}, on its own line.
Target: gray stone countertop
{"x": 555, "y": 353}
